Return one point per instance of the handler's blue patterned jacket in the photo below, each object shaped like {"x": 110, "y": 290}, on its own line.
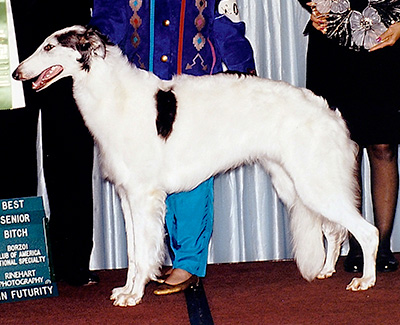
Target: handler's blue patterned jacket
{"x": 172, "y": 37}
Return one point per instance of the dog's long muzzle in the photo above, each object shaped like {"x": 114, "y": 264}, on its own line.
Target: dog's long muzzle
{"x": 17, "y": 75}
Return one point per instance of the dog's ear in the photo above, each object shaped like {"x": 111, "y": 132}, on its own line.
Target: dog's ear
{"x": 90, "y": 44}
{"x": 99, "y": 44}
{"x": 94, "y": 42}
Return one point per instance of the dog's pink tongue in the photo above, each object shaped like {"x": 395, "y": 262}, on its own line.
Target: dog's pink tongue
{"x": 45, "y": 76}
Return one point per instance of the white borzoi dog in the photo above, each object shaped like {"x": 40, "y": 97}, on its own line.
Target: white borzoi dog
{"x": 158, "y": 137}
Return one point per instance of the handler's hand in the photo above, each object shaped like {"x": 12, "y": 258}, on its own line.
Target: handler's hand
{"x": 388, "y": 38}
{"x": 319, "y": 21}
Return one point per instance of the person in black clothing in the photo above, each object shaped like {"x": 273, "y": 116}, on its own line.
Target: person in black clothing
{"x": 351, "y": 64}
{"x": 67, "y": 144}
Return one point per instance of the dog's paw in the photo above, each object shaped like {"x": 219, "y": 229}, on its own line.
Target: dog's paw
{"x": 117, "y": 291}
{"x": 360, "y": 284}
{"x": 324, "y": 274}
{"x": 126, "y": 300}
{"x": 123, "y": 297}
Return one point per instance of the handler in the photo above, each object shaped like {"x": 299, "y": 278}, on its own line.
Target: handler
{"x": 67, "y": 144}
{"x": 171, "y": 37}
{"x": 354, "y": 44}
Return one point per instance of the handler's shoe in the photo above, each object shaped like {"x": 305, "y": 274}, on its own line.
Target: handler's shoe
{"x": 386, "y": 262}
{"x": 82, "y": 278}
{"x": 353, "y": 263}
{"x": 167, "y": 289}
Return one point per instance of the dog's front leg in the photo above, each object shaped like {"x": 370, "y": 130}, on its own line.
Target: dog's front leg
{"x": 118, "y": 293}
{"x": 145, "y": 236}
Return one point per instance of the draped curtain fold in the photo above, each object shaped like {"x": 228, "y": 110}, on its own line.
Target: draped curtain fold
{"x": 251, "y": 223}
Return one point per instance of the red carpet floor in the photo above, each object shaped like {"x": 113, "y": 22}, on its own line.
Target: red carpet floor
{"x": 245, "y": 293}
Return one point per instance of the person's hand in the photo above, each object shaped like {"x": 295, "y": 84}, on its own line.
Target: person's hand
{"x": 319, "y": 21}
{"x": 388, "y": 38}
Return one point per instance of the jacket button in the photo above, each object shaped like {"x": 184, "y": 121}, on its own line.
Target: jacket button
{"x": 166, "y": 22}
{"x": 164, "y": 58}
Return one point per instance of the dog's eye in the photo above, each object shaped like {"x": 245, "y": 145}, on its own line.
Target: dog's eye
{"x": 48, "y": 47}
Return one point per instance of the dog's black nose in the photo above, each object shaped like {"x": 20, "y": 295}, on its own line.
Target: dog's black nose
{"x": 16, "y": 75}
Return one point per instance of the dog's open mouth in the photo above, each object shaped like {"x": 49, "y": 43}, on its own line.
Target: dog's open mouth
{"x": 46, "y": 76}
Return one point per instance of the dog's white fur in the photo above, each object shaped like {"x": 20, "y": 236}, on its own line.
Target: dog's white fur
{"x": 222, "y": 121}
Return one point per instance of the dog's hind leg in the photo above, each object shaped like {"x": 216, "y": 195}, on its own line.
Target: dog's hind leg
{"x": 145, "y": 235}
{"x": 336, "y": 204}
{"x": 368, "y": 237}
{"x": 335, "y": 236}
{"x": 305, "y": 224}
{"x": 332, "y": 195}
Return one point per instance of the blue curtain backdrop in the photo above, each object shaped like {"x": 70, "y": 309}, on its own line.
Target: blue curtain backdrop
{"x": 251, "y": 224}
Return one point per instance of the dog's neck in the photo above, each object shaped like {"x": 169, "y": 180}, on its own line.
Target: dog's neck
{"x": 109, "y": 77}
{"x": 102, "y": 91}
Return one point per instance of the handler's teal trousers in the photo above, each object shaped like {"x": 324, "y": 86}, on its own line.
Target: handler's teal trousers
{"x": 189, "y": 220}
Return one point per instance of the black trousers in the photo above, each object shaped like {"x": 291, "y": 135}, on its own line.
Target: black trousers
{"x": 67, "y": 145}
{"x": 18, "y": 153}
{"x": 68, "y": 164}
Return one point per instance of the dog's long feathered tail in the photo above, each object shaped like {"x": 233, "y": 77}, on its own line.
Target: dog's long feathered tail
{"x": 308, "y": 245}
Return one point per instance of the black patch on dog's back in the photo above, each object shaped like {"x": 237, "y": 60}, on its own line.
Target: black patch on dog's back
{"x": 166, "y": 108}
